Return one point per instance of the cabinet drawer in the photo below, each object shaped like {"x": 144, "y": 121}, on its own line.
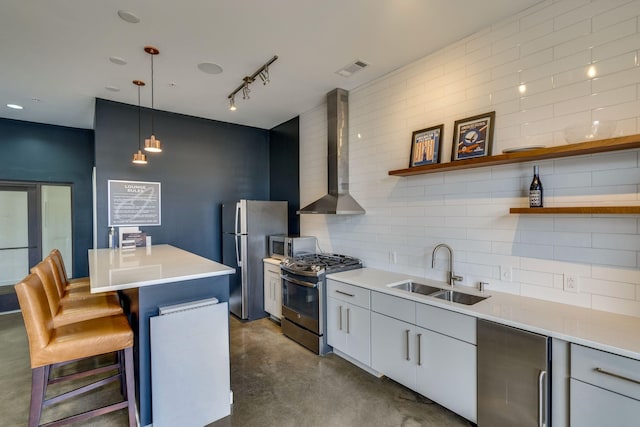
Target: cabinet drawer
{"x": 446, "y": 322}
{"x": 593, "y": 406}
{"x": 398, "y": 308}
{"x": 349, "y": 293}
{"x": 609, "y": 371}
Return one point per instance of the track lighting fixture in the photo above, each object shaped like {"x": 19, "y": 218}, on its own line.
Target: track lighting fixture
{"x": 139, "y": 158}
{"x": 152, "y": 144}
{"x": 262, "y": 72}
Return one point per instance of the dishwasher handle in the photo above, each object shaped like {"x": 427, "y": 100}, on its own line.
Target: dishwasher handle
{"x": 542, "y": 399}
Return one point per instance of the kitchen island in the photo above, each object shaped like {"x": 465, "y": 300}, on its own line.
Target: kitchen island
{"x": 148, "y": 278}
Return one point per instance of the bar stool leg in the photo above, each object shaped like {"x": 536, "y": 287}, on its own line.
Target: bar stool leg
{"x": 130, "y": 380}
{"x": 38, "y": 389}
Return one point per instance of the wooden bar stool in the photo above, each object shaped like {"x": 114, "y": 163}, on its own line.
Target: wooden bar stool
{"x": 49, "y": 346}
{"x": 65, "y": 310}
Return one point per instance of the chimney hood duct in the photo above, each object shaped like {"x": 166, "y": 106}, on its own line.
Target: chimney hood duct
{"x": 338, "y": 201}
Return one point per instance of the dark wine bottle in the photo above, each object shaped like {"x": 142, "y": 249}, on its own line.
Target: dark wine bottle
{"x": 535, "y": 190}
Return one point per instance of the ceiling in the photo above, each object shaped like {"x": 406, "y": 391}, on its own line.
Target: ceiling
{"x": 54, "y": 55}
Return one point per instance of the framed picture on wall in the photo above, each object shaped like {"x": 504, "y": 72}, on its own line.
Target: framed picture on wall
{"x": 425, "y": 146}
{"x": 473, "y": 136}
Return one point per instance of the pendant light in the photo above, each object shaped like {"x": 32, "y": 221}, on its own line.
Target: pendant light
{"x": 139, "y": 158}
{"x": 152, "y": 144}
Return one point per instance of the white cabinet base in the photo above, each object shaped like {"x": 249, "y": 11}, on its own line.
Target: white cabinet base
{"x": 357, "y": 363}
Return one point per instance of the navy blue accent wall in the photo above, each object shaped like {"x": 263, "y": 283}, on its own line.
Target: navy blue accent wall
{"x": 46, "y": 153}
{"x": 284, "y": 159}
{"x": 204, "y": 163}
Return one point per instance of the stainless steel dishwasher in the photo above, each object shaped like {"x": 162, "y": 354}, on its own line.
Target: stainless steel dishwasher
{"x": 513, "y": 377}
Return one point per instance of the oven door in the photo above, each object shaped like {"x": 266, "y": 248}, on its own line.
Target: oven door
{"x": 301, "y": 301}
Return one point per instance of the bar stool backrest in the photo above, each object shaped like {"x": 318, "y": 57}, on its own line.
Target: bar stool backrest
{"x": 61, "y": 284}
{"x": 36, "y": 314}
{"x": 45, "y": 273}
{"x": 56, "y": 256}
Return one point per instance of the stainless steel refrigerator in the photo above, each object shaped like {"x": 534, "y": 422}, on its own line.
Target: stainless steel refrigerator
{"x": 513, "y": 377}
{"x": 246, "y": 227}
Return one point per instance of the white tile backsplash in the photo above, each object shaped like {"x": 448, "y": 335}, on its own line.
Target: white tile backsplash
{"x": 548, "y": 47}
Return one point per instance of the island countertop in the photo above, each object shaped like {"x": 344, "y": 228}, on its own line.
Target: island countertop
{"x": 116, "y": 269}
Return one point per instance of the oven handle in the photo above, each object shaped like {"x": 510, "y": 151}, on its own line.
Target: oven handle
{"x": 298, "y": 282}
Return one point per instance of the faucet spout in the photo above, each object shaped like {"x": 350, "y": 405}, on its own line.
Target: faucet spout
{"x": 451, "y": 276}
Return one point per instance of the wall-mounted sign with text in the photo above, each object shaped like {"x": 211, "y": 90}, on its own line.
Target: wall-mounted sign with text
{"x": 134, "y": 203}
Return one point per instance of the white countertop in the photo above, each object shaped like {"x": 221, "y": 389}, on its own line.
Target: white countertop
{"x": 273, "y": 261}
{"x": 116, "y": 269}
{"x": 610, "y": 332}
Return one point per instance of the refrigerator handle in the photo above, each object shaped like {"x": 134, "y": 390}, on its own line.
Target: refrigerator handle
{"x": 237, "y": 236}
{"x": 542, "y": 400}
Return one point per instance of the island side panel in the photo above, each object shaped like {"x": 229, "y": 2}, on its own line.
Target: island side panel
{"x": 143, "y": 303}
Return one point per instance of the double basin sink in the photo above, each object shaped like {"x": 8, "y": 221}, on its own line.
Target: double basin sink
{"x": 443, "y": 294}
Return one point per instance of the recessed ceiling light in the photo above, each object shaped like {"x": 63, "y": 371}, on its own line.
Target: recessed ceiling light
{"x": 209, "y": 68}
{"x": 112, "y": 88}
{"x": 128, "y": 16}
{"x": 117, "y": 60}
{"x": 15, "y": 106}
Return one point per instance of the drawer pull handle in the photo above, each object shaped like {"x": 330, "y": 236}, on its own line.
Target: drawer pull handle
{"x": 419, "y": 350}
{"x": 611, "y": 374}
{"x": 344, "y": 293}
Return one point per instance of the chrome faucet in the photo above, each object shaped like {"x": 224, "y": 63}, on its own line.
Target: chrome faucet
{"x": 452, "y": 277}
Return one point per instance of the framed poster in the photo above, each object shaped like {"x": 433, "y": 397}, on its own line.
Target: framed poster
{"x": 473, "y": 136}
{"x": 133, "y": 203}
{"x": 425, "y": 146}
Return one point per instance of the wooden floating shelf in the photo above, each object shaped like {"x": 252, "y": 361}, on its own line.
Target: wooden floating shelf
{"x": 579, "y": 149}
{"x": 579, "y": 210}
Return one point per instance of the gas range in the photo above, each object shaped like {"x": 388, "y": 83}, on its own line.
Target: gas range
{"x": 319, "y": 264}
{"x": 304, "y": 298}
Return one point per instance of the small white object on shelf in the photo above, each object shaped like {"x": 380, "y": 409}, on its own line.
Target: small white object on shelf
{"x": 598, "y": 129}
{"x": 519, "y": 149}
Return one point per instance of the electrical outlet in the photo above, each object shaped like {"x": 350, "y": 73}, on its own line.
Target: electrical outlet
{"x": 506, "y": 273}
{"x": 571, "y": 283}
{"x": 393, "y": 258}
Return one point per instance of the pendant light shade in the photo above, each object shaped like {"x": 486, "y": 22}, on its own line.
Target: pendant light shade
{"x": 139, "y": 158}
{"x": 152, "y": 144}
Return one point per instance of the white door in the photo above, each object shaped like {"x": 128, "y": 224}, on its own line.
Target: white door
{"x": 336, "y": 330}
{"x": 358, "y": 329}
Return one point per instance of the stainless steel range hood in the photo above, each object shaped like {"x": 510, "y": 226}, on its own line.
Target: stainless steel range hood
{"x": 338, "y": 201}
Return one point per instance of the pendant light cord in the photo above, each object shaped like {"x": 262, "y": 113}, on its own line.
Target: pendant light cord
{"x": 152, "y": 128}
{"x": 139, "y": 121}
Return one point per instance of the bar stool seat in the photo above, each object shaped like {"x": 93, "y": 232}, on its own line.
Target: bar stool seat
{"x": 65, "y": 310}
{"x": 49, "y": 346}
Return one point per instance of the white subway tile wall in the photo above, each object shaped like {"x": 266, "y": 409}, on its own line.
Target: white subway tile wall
{"x": 557, "y": 64}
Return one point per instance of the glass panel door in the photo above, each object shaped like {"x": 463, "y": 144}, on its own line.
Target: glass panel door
{"x": 14, "y": 237}
{"x": 56, "y": 222}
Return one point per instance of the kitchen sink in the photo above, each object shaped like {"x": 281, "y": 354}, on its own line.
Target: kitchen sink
{"x": 417, "y": 288}
{"x": 459, "y": 297}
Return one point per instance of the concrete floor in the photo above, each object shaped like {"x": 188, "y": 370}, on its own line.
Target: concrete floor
{"x": 275, "y": 382}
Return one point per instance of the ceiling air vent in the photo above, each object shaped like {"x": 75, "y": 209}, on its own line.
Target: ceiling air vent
{"x": 351, "y": 68}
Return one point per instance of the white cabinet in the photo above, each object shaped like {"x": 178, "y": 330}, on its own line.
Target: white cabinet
{"x": 604, "y": 388}
{"x": 428, "y": 349}
{"x": 392, "y": 351}
{"x": 272, "y": 288}
{"x": 348, "y": 320}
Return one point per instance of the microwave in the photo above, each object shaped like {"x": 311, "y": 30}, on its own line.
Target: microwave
{"x": 282, "y": 246}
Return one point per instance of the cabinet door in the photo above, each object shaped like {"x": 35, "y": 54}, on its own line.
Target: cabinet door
{"x": 268, "y": 290}
{"x": 336, "y": 330}
{"x": 594, "y": 406}
{"x": 275, "y": 283}
{"x": 446, "y": 372}
{"x": 393, "y": 349}
{"x": 358, "y": 332}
